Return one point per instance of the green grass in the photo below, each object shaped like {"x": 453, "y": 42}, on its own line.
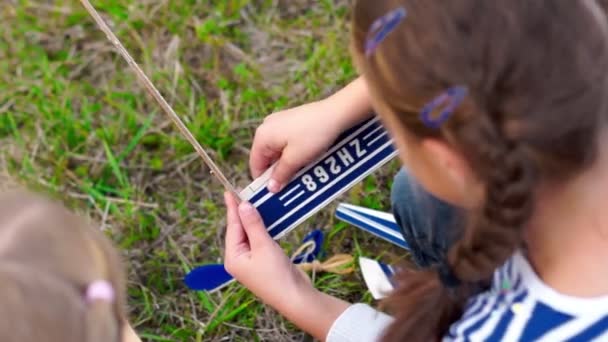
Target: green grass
{"x": 75, "y": 124}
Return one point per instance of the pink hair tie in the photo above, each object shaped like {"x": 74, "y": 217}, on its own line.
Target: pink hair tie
{"x": 100, "y": 290}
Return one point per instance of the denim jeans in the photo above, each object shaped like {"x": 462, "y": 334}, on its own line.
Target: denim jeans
{"x": 429, "y": 225}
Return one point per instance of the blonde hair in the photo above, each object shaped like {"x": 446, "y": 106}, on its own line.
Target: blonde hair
{"x": 48, "y": 258}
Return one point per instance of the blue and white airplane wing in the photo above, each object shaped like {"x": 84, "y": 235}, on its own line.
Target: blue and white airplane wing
{"x": 377, "y": 276}
{"x": 378, "y": 223}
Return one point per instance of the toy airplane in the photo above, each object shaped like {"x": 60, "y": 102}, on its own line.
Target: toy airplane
{"x": 356, "y": 153}
{"x": 377, "y": 276}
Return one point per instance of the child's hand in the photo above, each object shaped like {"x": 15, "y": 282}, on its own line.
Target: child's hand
{"x": 297, "y": 136}
{"x": 293, "y": 137}
{"x": 257, "y": 261}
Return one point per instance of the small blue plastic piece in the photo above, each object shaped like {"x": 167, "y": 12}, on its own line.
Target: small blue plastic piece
{"x": 207, "y": 278}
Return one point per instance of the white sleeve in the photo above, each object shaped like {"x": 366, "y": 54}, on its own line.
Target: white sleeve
{"x": 359, "y": 322}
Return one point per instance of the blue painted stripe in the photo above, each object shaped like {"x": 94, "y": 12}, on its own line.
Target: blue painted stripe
{"x": 388, "y": 272}
{"x": 386, "y": 269}
{"x": 391, "y": 225}
{"x": 343, "y": 215}
{"x": 347, "y": 211}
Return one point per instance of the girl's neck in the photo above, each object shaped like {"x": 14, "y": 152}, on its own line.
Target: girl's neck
{"x": 567, "y": 237}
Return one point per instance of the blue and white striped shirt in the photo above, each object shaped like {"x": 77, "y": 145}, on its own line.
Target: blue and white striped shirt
{"x": 518, "y": 307}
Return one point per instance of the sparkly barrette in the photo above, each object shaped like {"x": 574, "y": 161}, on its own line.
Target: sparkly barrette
{"x": 381, "y": 28}
{"x": 449, "y": 100}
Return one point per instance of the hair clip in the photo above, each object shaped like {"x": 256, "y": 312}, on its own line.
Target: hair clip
{"x": 100, "y": 290}
{"x": 450, "y": 98}
{"x": 381, "y": 28}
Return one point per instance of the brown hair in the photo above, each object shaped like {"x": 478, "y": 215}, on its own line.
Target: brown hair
{"x": 48, "y": 257}
{"x": 536, "y": 75}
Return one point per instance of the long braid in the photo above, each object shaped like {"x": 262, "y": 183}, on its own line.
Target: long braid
{"x": 510, "y": 177}
{"x": 489, "y": 240}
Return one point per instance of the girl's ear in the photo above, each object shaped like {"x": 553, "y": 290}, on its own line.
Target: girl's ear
{"x": 456, "y": 169}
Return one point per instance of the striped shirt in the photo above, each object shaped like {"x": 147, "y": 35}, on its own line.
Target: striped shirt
{"x": 518, "y": 307}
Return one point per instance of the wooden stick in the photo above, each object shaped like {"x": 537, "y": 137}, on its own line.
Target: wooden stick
{"x": 151, "y": 89}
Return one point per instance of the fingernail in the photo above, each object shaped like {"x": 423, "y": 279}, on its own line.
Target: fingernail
{"x": 246, "y": 208}
{"x": 274, "y": 186}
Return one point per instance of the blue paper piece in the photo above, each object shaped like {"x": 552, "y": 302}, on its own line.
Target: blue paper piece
{"x": 389, "y": 271}
{"x": 378, "y": 223}
{"x": 209, "y": 278}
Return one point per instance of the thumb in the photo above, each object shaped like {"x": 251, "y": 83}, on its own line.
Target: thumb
{"x": 254, "y": 226}
{"x": 284, "y": 170}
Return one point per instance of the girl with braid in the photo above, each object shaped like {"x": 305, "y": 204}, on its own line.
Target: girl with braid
{"x": 499, "y": 111}
{"x": 60, "y": 280}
